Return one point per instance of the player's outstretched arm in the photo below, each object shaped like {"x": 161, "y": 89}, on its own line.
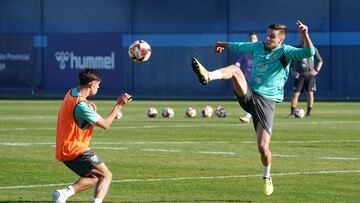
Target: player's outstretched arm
{"x": 220, "y": 46}
{"x": 121, "y": 101}
{"x": 304, "y": 31}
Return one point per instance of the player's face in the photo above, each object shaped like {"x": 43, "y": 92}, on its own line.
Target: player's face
{"x": 253, "y": 38}
{"x": 274, "y": 39}
{"x": 94, "y": 86}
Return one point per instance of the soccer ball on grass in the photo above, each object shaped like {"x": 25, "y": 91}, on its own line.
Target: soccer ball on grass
{"x": 152, "y": 112}
{"x": 220, "y": 112}
{"x": 190, "y": 112}
{"x": 168, "y": 112}
{"x": 207, "y": 112}
{"x": 299, "y": 113}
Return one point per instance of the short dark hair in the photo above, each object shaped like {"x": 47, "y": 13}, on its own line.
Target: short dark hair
{"x": 281, "y": 27}
{"x": 252, "y": 33}
{"x": 87, "y": 75}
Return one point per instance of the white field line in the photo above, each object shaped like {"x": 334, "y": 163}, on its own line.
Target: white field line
{"x": 182, "y": 142}
{"x": 161, "y": 150}
{"x": 15, "y": 144}
{"x": 284, "y": 155}
{"x": 212, "y": 125}
{"x": 112, "y": 148}
{"x": 220, "y": 153}
{"x": 160, "y": 142}
{"x": 339, "y": 158}
{"x": 19, "y": 117}
{"x": 174, "y": 150}
{"x": 187, "y": 178}
{"x": 199, "y": 152}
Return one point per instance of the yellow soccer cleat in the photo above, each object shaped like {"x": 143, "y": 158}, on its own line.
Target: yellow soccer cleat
{"x": 200, "y": 71}
{"x": 268, "y": 186}
{"x": 244, "y": 119}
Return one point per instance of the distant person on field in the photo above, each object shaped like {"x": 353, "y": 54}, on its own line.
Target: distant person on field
{"x": 265, "y": 88}
{"x": 304, "y": 72}
{"x": 245, "y": 62}
{"x": 76, "y": 119}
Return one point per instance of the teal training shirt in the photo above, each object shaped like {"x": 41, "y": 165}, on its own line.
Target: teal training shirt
{"x": 270, "y": 69}
{"x": 83, "y": 113}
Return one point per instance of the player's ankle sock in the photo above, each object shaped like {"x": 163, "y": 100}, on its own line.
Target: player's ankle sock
{"x": 266, "y": 171}
{"x": 215, "y": 75}
{"x": 292, "y": 110}
{"x": 308, "y": 111}
{"x": 68, "y": 191}
{"x": 96, "y": 200}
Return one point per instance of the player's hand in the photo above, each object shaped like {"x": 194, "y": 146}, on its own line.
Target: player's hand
{"x": 219, "y": 50}
{"x": 313, "y": 72}
{"x": 303, "y": 29}
{"x": 124, "y": 99}
{"x": 219, "y": 47}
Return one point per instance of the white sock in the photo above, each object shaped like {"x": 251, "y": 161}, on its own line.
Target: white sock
{"x": 266, "y": 171}
{"x": 68, "y": 191}
{"x": 97, "y": 200}
{"x": 248, "y": 115}
{"x": 215, "y": 75}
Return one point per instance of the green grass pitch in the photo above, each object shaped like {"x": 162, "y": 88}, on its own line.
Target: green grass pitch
{"x": 183, "y": 159}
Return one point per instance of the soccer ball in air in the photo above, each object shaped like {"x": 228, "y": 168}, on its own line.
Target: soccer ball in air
{"x": 207, "y": 112}
{"x": 152, "y": 112}
{"x": 299, "y": 113}
{"x": 190, "y": 112}
{"x": 220, "y": 112}
{"x": 139, "y": 51}
{"x": 168, "y": 112}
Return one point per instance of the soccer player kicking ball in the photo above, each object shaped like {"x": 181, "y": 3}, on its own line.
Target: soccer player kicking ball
{"x": 76, "y": 119}
{"x": 270, "y": 70}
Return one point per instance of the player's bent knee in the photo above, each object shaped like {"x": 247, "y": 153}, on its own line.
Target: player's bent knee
{"x": 108, "y": 175}
{"x": 263, "y": 149}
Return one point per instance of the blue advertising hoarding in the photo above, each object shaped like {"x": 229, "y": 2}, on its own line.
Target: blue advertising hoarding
{"x": 16, "y": 61}
{"x": 67, "y": 54}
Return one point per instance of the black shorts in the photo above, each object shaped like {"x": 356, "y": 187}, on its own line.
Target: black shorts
{"x": 261, "y": 109}
{"x": 84, "y": 163}
{"x": 305, "y": 82}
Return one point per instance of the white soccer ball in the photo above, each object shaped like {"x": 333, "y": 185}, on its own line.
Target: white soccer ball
{"x": 152, "y": 112}
{"x": 299, "y": 113}
{"x": 139, "y": 51}
{"x": 220, "y": 112}
{"x": 168, "y": 112}
{"x": 207, "y": 112}
{"x": 190, "y": 112}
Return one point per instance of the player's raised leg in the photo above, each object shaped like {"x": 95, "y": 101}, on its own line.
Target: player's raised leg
{"x": 232, "y": 72}
{"x": 200, "y": 71}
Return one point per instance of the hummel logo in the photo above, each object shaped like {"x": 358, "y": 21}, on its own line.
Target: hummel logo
{"x": 62, "y": 57}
